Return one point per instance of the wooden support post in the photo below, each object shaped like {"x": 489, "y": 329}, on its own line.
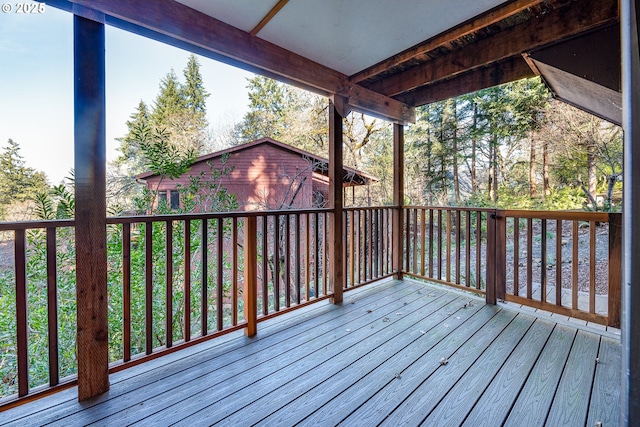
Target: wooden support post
{"x": 501, "y": 255}
{"x": 630, "y": 396}
{"x": 336, "y": 235}
{"x": 250, "y": 290}
{"x": 90, "y": 213}
{"x": 615, "y": 269}
{"x": 496, "y": 257}
{"x": 398, "y": 200}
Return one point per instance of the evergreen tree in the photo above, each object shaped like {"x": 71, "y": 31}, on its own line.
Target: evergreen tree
{"x": 193, "y": 92}
{"x": 18, "y": 182}
{"x": 268, "y": 107}
{"x": 168, "y": 102}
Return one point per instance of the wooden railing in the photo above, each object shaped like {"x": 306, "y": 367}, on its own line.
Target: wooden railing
{"x": 562, "y": 262}
{"x": 177, "y": 280}
{"x": 368, "y": 234}
{"x": 173, "y": 281}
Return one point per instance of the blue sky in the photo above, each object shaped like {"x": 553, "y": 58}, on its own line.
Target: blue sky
{"x": 36, "y": 85}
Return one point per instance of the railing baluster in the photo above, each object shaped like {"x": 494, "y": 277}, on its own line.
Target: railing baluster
{"x": 297, "y": 255}
{"x": 516, "y": 256}
{"x": 431, "y": 273}
{"x": 423, "y": 241}
{"x": 250, "y": 290}
{"x": 478, "y": 249}
{"x": 187, "y": 280}
{"x": 316, "y": 255}
{"x": 574, "y": 266}
{"x": 148, "y": 263}
{"x": 558, "y": 262}
{"x": 22, "y": 329}
{"x": 592, "y": 266}
{"x": 325, "y": 253}
{"x": 287, "y": 258}
{"x": 220, "y": 274}
{"x": 52, "y": 307}
{"x": 439, "y": 244}
{"x": 467, "y": 263}
{"x": 276, "y": 262}
{"x": 414, "y": 239}
{"x": 169, "y": 285}
{"x": 458, "y": 248}
{"x": 265, "y": 265}
{"x": 234, "y": 270}
{"x": 359, "y": 255}
{"x": 370, "y": 246}
{"x": 543, "y": 261}
{"x": 448, "y": 240}
{"x": 204, "y": 303}
{"x": 352, "y": 245}
{"x": 529, "y": 258}
{"x": 376, "y": 243}
{"x": 126, "y": 291}
{"x": 307, "y": 257}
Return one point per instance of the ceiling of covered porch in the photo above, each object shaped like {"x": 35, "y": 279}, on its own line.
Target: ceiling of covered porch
{"x": 385, "y": 57}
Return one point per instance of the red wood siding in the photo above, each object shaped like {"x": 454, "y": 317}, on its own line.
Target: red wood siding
{"x": 263, "y": 178}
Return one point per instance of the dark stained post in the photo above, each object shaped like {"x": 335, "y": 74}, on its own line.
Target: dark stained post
{"x": 630, "y": 407}
{"x": 398, "y": 199}
{"x": 90, "y": 214}
{"x": 250, "y": 290}
{"x": 336, "y": 237}
{"x": 615, "y": 269}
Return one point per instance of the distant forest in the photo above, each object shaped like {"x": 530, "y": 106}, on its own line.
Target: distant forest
{"x": 511, "y": 145}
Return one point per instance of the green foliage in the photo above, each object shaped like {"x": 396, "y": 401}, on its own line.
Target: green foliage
{"x": 18, "y": 182}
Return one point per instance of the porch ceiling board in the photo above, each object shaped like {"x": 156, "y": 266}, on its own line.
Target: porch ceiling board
{"x": 173, "y": 19}
{"x": 557, "y": 25}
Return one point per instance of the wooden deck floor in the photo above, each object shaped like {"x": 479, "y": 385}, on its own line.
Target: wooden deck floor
{"x": 397, "y": 353}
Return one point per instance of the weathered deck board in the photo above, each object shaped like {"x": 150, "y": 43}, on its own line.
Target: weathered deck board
{"x": 571, "y": 402}
{"x": 535, "y": 399}
{"x": 605, "y": 397}
{"x": 425, "y": 398}
{"x": 453, "y": 409}
{"x": 493, "y": 407}
{"x": 374, "y": 361}
{"x": 334, "y": 398}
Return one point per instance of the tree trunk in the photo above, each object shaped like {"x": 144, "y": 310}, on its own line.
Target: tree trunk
{"x": 533, "y": 190}
{"x": 474, "y": 181}
{"x": 545, "y": 168}
{"x": 591, "y": 168}
{"x": 454, "y": 146}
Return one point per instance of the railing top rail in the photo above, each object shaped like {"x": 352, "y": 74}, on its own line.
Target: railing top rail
{"x": 58, "y": 223}
{"x": 27, "y": 225}
{"x": 211, "y": 215}
{"x": 562, "y": 215}
{"x": 369, "y": 208}
{"x": 451, "y": 208}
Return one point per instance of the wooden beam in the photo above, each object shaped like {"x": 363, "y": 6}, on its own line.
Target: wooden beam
{"x": 555, "y": 26}
{"x": 512, "y": 69}
{"x": 90, "y": 211}
{"x": 168, "y": 20}
{"x": 491, "y": 17}
{"x": 336, "y": 227}
{"x": 268, "y": 17}
{"x": 398, "y": 200}
{"x": 630, "y": 35}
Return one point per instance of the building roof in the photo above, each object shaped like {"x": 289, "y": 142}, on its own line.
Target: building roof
{"x": 351, "y": 177}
